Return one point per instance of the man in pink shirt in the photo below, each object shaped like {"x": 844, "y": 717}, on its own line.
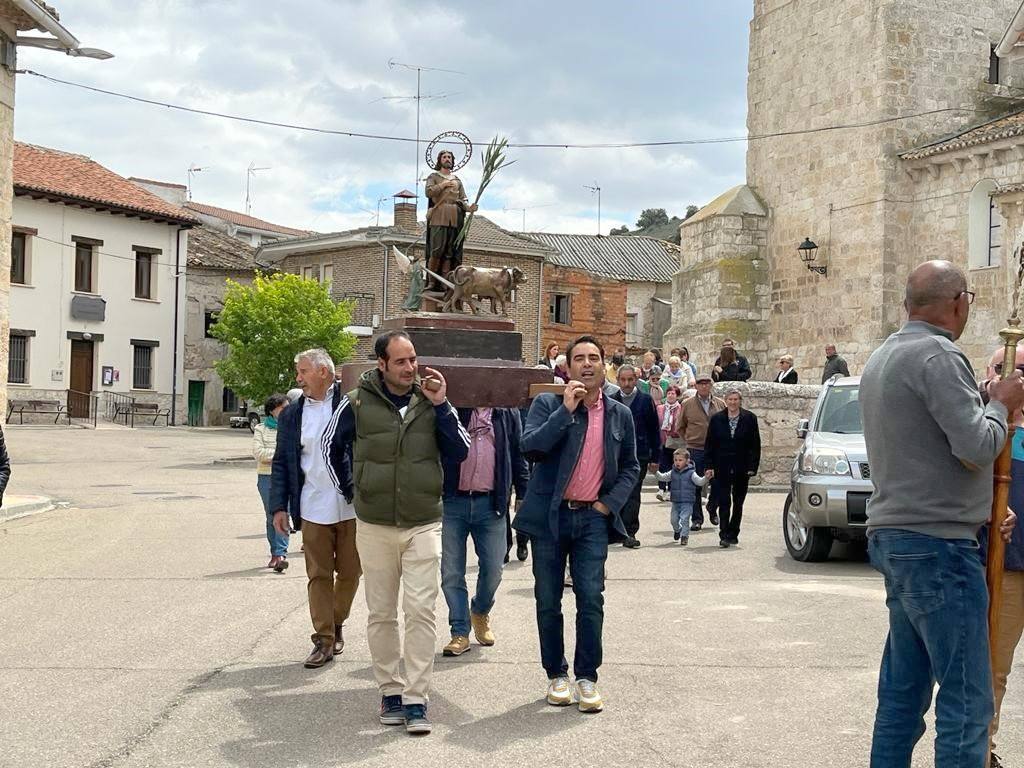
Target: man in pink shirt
{"x": 583, "y": 446}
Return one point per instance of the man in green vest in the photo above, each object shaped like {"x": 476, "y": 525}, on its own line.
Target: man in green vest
{"x": 386, "y": 442}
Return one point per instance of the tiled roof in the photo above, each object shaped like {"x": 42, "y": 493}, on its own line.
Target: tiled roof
{"x": 1004, "y": 127}
{"x": 76, "y": 178}
{"x": 243, "y": 220}
{"x": 209, "y": 248}
{"x": 625, "y": 257}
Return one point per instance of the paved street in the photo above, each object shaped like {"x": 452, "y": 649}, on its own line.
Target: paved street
{"x": 138, "y": 628}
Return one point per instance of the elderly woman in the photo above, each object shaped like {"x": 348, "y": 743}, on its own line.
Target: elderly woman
{"x": 679, "y": 374}
{"x": 561, "y": 370}
{"x": 733, "y": 451}
{"x": 787, "y": 373}
{"x": 264, "y": 443}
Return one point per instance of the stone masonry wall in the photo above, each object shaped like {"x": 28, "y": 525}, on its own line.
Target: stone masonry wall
{"x": 778, "y": 408}
{"x": 597, "y": 308}
{"x": 816, "y": 64}
{"x": 722, "y": 290}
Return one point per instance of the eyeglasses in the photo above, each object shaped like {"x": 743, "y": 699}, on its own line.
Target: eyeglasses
{"x": 970, "y": 296}
{"x": 998, "y": 368}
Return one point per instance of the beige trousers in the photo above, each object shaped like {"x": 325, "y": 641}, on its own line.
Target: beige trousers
{"x": 407, "y": 560}
{"x": 1011, "y": 626}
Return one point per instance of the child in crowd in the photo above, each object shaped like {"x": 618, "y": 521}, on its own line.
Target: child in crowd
{"x": 683, "y": 481}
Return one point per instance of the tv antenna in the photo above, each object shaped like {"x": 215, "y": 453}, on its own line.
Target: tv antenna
{"x": 250, "y": 172}
{"x": 596, "y": 188}
{"x": 527, "y": 208}
{"x": 192, "y": 171}
{"x": 419, "y": 98}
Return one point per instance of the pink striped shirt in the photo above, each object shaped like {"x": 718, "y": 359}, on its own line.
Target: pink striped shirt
{"x": 585, "y": 483}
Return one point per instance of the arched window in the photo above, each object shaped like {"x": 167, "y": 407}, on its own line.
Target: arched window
{"x": 984, "y": 227}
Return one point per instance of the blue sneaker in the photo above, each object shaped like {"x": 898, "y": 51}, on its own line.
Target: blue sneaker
{"x": 391, "y": 711}
{"x": 416, "y": 719}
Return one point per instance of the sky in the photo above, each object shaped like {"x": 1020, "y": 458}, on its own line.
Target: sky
{"x": 554, "y": 72}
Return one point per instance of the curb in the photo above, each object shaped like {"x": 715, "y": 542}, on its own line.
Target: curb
{"x": 23, "y": 506}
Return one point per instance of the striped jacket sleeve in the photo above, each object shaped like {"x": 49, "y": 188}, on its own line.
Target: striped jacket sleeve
{"x": 336, "y": 445}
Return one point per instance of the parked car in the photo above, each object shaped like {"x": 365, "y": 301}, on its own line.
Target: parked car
{"x": 249, "y": 415}
{"x": 831, "y": 481}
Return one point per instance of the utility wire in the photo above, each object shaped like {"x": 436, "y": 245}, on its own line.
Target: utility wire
{"x": 542, "y": 145}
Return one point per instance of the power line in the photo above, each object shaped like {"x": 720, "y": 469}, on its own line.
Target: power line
{"x": 540, "y": 145}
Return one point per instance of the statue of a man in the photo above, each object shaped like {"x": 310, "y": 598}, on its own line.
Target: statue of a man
{"x": 446, "y": 212}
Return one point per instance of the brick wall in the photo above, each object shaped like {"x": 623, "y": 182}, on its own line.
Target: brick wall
{"x": 597, "y": 308}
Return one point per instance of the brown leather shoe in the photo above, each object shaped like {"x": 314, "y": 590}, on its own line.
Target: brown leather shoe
{"x": 322, "y": 653}
{"x": 482, "y": 628}
{"x": 339, "y": 639}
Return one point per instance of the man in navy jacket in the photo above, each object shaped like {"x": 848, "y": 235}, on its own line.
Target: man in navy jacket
{"x": 584, "y": 451}
{"x": 648, "y": 445}
{"x": 477, "y": 493}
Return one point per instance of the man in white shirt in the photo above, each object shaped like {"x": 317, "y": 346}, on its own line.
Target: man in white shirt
{"x": 301, "y": 484}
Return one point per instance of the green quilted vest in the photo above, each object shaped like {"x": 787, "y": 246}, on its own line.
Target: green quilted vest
{"x": 396, "y": 462}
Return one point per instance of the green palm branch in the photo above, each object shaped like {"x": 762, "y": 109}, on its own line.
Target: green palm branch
{"x": 493, "y": 160}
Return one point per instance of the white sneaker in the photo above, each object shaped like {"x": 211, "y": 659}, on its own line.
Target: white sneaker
{"x": 588, "y": 696}
{"x": 559, "y": 692}
{"x": 660, "y": 495}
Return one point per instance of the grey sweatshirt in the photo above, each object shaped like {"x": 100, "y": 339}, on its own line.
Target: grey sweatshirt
{"x": 931, "y": 443}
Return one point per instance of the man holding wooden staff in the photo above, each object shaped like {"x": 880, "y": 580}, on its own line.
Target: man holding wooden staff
{"x": 931, "y": 445}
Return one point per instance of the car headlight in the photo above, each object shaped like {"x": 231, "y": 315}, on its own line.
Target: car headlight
{"x": 825, "y": 461}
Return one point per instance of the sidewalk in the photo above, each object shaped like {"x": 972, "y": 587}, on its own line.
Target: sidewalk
{"x": 20, "y": 506}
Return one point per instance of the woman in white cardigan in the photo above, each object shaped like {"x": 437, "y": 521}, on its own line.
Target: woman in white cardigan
{"x": 264, "y": 443}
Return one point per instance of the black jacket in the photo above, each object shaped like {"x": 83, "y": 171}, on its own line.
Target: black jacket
{"x": 738, "y": 371}
{"x": 510, "y": 468}
{"x": 789, "y": 378}
{"x": 5, "y": 467}
{"x": 724, "y": 453}
{"x": 645, "y": 420}
{"x": 286, "y": 475}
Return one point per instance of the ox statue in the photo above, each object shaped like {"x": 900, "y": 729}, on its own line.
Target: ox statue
{"x": 484, "y": 283}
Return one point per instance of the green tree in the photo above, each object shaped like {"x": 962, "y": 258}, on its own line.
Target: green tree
{"x": 690, "y": 210}
{"x": 265, "y": 324}
{"x": 652, "y": 216}
{"x": 623, "y": 230}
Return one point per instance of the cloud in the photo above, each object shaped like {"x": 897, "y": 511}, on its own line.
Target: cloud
{"x": 572, "y": 72}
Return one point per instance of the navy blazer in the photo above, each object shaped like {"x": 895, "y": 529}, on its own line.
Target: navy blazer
{"x": 286, "y": 475}
{"x": 553, "y": 441}
{"x": 510, "y": 468}
{"x": 740, "y": 453}
{"x": 648, "y": 428}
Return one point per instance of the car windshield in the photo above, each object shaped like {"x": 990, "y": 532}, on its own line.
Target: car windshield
{"x": 840, "y": 413}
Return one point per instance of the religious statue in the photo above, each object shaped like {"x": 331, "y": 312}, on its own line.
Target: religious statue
{"x": 446, "y": 215}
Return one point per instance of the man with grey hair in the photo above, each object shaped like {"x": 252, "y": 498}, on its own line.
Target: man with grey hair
{"x": 931, "y": 444}
{"x": 301, "y": 484}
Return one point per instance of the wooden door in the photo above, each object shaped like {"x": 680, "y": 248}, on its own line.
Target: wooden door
{"x": 81, "y": 376}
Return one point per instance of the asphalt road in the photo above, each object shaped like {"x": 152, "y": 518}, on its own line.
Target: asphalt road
{"x": 138, "y": 627}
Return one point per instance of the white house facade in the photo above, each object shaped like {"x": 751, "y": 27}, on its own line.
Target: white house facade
{"x": 97, "y": 303}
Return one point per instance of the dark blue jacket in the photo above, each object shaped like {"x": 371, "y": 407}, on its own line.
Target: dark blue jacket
{"x": 553, "y": 441}
{"x": 645, "y": 421}
{"x": 509, "y": 465}
{"x": 286, "y": 475}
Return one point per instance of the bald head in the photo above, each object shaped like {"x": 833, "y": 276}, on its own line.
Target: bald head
{"x": 932, "y": 283}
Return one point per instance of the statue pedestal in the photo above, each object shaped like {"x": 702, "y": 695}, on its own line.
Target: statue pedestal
{"x": 480, "y": 356}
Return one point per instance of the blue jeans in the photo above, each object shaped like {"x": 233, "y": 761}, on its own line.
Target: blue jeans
{"x": 938, "y": 632}
{"x": 470, "y": 516}
{"x": 680, "y": 517}
{"x": 583, "y": 539}
{"x": 278, "y": 541}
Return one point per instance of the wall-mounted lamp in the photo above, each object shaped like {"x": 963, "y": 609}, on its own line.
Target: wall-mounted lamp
{"x": 808, "y": 251}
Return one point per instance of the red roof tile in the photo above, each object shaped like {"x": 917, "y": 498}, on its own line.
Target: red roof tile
{"x": 243, "y": 220}
{"x": 77, "y": 178}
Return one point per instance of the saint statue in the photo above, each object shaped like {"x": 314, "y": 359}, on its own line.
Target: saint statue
{"x": 446, "y": 212}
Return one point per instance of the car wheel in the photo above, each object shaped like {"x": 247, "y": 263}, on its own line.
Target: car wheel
{"x": 805, "y": 544}
{"x": 253, "y": 421}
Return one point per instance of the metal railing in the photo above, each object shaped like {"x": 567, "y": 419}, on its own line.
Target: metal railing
{"x": 83, "y": 406}
{"x": 116, "y": 405}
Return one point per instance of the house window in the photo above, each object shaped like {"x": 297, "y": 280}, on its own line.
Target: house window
{"x": 308, "y": 273}
{"x": 327, "y": 275}
{"x": 84, "y": 257}
{"x": 632, "y": 329}
{"x": 142, "y": 366}
{"x": 993, "y": 66}
{"x": 19, "y": 271}
{"x": 17, "y": 362}
{"x": 143, "y": 275}
{"x": 559, "y": 308}
{"x": 229, "y": 401}
{"x": 209, "y": 320}
{"x": 984, "y": 226}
